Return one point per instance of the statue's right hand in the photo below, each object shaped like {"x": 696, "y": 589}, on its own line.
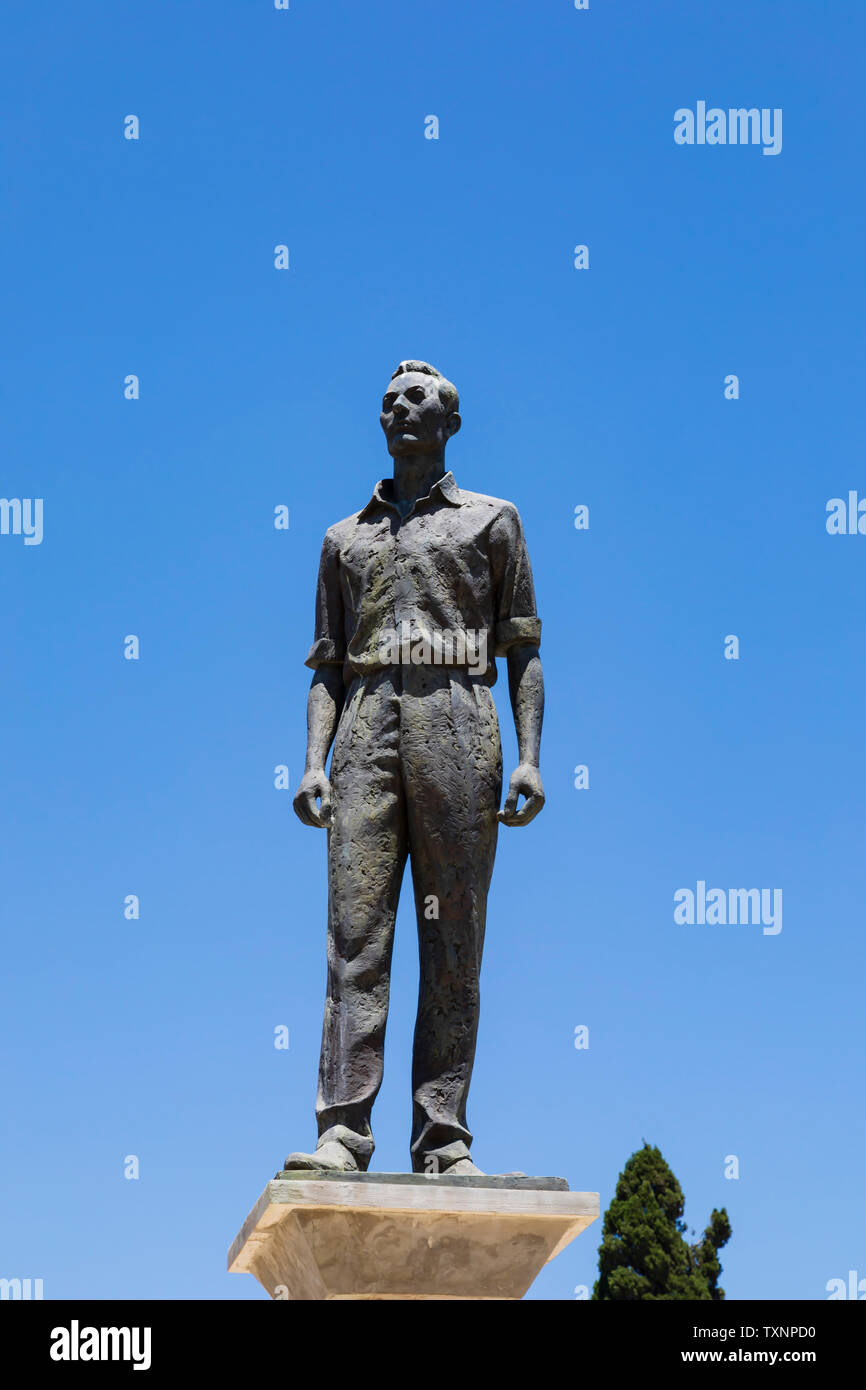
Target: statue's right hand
{"x": 314, "y": 787}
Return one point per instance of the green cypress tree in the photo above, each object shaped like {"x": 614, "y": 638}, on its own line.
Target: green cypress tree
{"x": 644, "y": 1253}
{"x": 706, "y": 1253}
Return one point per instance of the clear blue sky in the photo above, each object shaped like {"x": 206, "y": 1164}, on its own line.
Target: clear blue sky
{"x": 261, "y": 387}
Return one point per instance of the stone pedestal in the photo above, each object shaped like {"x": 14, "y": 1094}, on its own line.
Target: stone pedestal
{"x": 403, "y": 1235}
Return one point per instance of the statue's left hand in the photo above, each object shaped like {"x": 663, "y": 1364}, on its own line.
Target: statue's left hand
{"x": 525, "y": 781}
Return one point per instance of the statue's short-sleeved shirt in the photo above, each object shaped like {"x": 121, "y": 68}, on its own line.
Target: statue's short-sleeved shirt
{"x": 457, "y": 563}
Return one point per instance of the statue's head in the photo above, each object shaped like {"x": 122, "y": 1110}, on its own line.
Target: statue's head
{"x": 419, "y": 410}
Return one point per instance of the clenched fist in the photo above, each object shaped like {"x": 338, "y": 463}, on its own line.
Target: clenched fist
{"x": 314, "y": 787}
{"x": 525, "y": 781}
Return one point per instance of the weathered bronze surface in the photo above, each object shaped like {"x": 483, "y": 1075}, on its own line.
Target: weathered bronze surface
{"x": 417, "y": 594}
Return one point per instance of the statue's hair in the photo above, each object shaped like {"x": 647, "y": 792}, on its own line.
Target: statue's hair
{"x": 447, "y": 391}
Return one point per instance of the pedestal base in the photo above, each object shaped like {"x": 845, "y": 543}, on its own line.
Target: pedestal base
{"x": 317, "y": 1236}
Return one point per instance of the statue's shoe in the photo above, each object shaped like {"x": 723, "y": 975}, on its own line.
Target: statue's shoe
{"x": 464, "y": 1167}
{"x": 330, "y": 1157}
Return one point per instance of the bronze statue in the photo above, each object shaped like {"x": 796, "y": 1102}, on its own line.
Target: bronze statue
{"x": 417, "y": 594}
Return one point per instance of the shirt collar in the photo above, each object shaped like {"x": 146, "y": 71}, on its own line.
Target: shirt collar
{"x": 445, "y": 487}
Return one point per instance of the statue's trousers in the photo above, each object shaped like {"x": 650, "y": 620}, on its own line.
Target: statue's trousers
{"x": 416, "y": 771}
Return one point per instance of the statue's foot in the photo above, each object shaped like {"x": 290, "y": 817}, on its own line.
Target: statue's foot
{"x": 330, "y": 1157}
{"x": 451, "y": 1159}
{"x": 464, "y": 1167}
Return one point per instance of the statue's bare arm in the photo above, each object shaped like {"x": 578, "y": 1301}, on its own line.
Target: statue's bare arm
{"x": 324, "y": 706}
{"x": 526, "y": 688}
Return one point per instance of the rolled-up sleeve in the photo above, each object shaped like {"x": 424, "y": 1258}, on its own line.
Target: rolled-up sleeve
{"x": 514, "y": 592}
{"x": 329, "y": 644}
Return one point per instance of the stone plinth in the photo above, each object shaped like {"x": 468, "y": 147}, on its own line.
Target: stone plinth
{"x": 407, "y": 1236}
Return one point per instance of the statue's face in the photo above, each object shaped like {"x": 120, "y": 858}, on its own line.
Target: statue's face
{"x": 413, "y": 417}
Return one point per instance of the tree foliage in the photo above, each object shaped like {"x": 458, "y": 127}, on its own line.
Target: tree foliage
{"x": 644, "y": 1253}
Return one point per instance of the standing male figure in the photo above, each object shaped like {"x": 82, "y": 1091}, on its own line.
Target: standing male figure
{"x": 417, "y": 593}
